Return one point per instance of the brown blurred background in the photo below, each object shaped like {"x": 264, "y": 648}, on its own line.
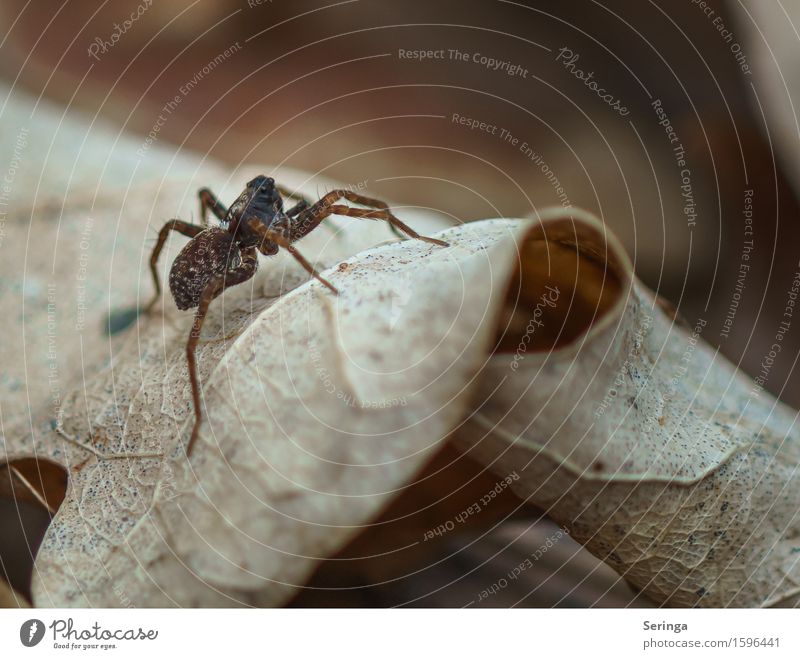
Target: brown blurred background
{"x": 323, "y": 88}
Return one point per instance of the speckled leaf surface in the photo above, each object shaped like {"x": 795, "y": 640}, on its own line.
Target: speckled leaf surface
{"x": 319, "y": 410}
{"x": 620, "y": 422}
{"x": 112, "y": 409}
{"x": 667, "y": 462}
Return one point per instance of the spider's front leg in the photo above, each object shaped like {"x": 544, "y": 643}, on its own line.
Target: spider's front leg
{"x": 303, "y": 201}
{"x": 309, "y": 219}
{"x": 270, "y": 236}
{"x": 190, "y": 230}
{"x": 303, "y": 204}
{"x": 246, "y": 269}
{"x": 209, "y": 201}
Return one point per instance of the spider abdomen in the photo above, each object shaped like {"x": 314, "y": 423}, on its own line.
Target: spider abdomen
{"x": 206, "y": 256}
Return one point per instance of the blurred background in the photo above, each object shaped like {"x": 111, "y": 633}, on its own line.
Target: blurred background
{"x": 691, "y": 123}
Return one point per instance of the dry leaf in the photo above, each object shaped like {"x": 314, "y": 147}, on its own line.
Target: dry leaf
{"x": 658, "y": 454}
{"x": 319, "y": 408}
{"x": 625, "y": 426}
{"x": 75, "y": 244}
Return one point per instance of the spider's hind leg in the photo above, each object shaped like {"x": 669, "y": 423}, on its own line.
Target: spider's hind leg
{"x": 246, "y": 269}
{"x": 189, "y": 230}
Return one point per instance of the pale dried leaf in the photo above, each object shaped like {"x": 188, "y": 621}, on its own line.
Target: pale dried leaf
{"x": 70, "y": 257}
{"x": 320, "y": 409}
{"x": 683, "y": 479}
{"x": 660, "y": 456}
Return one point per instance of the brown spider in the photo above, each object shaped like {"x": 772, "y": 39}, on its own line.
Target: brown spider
{"x": 219, "y": 257}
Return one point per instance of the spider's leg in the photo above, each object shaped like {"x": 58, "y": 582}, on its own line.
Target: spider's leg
{"x": 190, "y": 230}
{"x": 301, "y": 206}
{"x": 298, "y": 208}
{"x": 208, "y": 200}
{"x": 281, "y": 240}
{"x": 310, "y": 219}
{"x": 290, "y": 194}
{"x": 375, "y": 203}
{"x": 245, "y": 271}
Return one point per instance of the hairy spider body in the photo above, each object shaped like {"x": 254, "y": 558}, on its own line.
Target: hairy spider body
{"x": 219, "y": 257}
{"x": 209, "y": 255}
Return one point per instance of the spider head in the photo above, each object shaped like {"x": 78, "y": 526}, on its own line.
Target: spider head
{"x": 263, "y": 192}
{"x": 261, "y": 183}
{"x": 260, "y": 200}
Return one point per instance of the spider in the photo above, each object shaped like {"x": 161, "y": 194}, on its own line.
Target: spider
{"x": 219, "y": 257}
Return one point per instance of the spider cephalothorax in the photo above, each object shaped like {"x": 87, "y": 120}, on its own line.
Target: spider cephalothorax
{"x": 219, "y": 257}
